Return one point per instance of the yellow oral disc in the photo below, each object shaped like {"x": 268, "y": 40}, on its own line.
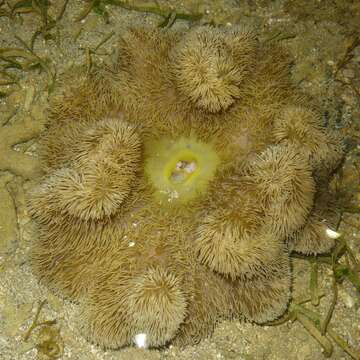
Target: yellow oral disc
{"x": 180, "y": 169}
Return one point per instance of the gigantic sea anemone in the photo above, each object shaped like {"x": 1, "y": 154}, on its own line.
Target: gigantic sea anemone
{"x": 177, "y": 180}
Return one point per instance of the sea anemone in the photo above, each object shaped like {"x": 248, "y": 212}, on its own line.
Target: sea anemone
{"x": 176, "y": 182}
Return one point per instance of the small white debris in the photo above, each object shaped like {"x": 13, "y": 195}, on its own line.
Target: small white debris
{"x": 140, "y": 341}
{"x": 131, "y": 243}
{"x": 332, "y": 234}
{"x": 348, "y": 300}
{"x": 172, "y": 195}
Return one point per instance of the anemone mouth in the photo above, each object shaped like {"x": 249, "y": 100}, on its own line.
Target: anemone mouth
{"x": 180, "y": 169}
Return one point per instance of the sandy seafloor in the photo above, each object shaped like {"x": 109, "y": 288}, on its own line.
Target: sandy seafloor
{"x": 323, "y": 37}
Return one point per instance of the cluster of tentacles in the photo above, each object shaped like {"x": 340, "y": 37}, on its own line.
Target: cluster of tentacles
{"x": 177, "y": 180}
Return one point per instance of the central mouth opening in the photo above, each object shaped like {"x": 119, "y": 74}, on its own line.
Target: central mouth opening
{"x": 183, "y": 171}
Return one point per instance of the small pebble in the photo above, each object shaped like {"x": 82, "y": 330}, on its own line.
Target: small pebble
{"x": 349, "y": 73}
{"x": 348, "y": 300}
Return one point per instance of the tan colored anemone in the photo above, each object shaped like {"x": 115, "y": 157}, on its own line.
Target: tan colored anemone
{"x": 176, "y": 182}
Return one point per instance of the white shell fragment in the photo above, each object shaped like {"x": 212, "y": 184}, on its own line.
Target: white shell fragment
{"x": 140, "y": 341}
{"x": 332, "y": 234}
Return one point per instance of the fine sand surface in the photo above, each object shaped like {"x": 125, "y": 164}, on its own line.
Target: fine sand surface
{"x": 324, "y": 39}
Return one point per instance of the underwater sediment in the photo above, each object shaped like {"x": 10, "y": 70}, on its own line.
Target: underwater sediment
{"x": 177, "y": 181}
